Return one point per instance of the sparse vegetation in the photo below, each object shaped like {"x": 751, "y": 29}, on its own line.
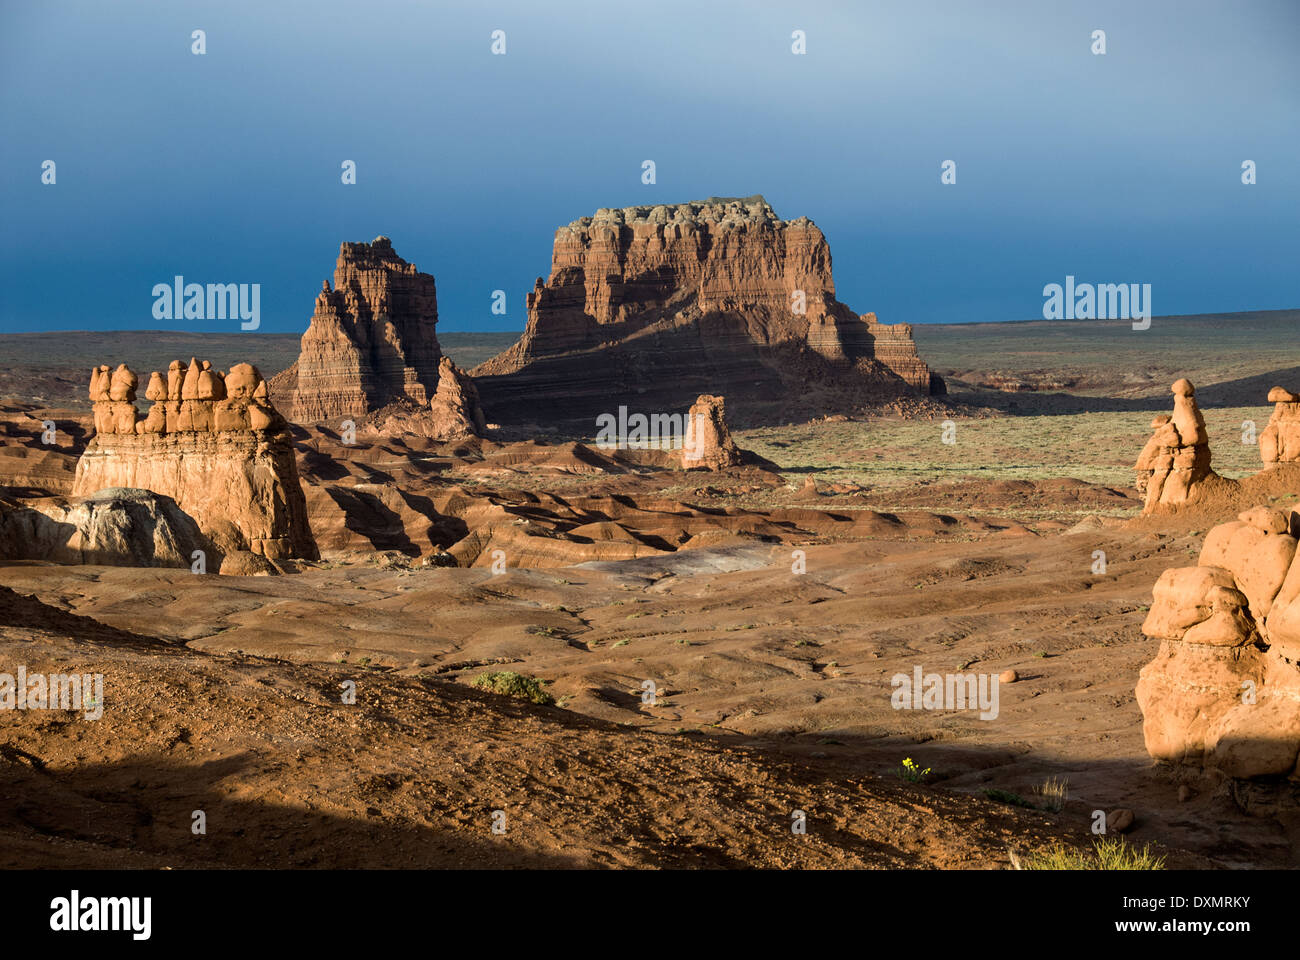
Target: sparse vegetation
{"x": 1108, "y": 853}
{"x": 1006, "y": 796}
{"x": 512, "y": 684}
{"x": 911, "y": 771}
{"x": 1052, "y": 793}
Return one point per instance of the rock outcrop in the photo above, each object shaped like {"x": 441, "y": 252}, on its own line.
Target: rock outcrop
{"x": 708, "y": 444}
{"x": 212, "y": 443}
{"x": 455, "y": 406}
{"x": 372, "y": 339}
{"x": 453, "y": 414}
{"x": 667, "y": 302}
{"x": 1177, "y": 457}
{"x": 112, "y": 527}
{"x": 1224, "y": 690}
{"x": 1280, "y": 440}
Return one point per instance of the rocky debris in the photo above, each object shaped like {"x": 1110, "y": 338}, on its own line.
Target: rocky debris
{"x": 708, "y": 444}
{"x": 667, "y": 301}
{"x": 1280, "y": 440}
{"x": 1177, "y": 457}
{"x": 1008, "y": 676}
{"x": 213, "y": 444}
{"x": 1224, "y": 690}
{"x": 371, "y": 340}
{"x": 453, "y": 414}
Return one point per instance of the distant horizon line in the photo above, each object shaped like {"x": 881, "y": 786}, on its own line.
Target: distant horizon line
{"x": 441, "y": 329}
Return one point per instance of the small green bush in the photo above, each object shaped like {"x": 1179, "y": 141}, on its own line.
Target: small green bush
{"x": 513, "y": 684}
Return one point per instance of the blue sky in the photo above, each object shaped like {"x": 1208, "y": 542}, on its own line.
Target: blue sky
{"x": 226, "y": 167}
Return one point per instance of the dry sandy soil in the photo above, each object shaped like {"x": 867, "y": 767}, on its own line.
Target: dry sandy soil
{"x": 772, "y": 686}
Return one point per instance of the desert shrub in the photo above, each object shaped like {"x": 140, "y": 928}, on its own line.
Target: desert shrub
{"x": 513, "y": 684}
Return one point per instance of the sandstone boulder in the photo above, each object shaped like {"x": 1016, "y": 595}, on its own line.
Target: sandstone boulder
{"x": 1256, "y": 551}
{"x": 1224, "y": 690}
{"x": 112, "y": 527}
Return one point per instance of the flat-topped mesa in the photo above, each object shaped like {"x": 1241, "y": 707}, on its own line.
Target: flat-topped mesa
{"x": 709, "y": 287}
{"x": 212, "y": 442}
{"x": 371, "y": 340}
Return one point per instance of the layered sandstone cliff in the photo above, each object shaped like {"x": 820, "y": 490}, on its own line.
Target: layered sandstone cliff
{"x": 668, "y": 302}
{"x": 372, "y": 339}
{"x": 211, "y": 442}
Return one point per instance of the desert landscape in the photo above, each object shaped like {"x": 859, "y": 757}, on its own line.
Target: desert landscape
{"x": 656, "y": 475}
{"x": 445, "y": 592}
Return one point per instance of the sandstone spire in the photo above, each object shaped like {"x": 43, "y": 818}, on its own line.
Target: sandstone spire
{"x": 371, "y": 339}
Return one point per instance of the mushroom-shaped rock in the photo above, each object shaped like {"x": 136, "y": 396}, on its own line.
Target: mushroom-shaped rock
{"x": 157, "y": 389}
{"x": 242, "y": 381}
{"x": 1282, "y": 395}
{"x": 123, "y": 384}
{"x": 1187, "y": 416}
{"x": 210, "y": 385}
{"x": 1279, "y": 442}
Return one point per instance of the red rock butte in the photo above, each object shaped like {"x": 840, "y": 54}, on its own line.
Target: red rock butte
{"x": 371, "y": 341}
{"x": 660, "y": 304}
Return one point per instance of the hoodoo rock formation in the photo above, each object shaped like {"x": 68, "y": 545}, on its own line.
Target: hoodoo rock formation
{"x": 668, "y": 302}
{"x": 1280, "y": 440}
{"x": 371, "y": 341}
{"x": 1177, "y": 457}
{"x": 708, "y": 444}
{"x": 1173, "y": 469}
{"x": 1224, "y": 690}
{"x": 212, "y": 443}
